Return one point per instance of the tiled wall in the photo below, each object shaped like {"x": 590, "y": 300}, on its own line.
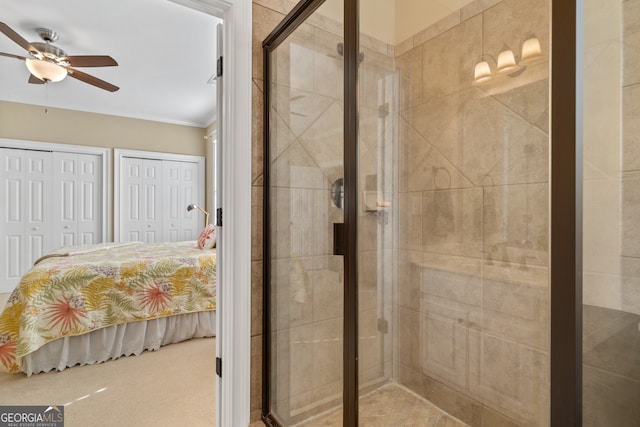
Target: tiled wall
{"x": 611, "y": 370}
{"x": 473, "y": 290}
{"x": 266, "y": 15}
{"x": 631, "y": 157}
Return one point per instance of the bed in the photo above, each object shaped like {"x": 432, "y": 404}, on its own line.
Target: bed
{"x": 88, "y": 304}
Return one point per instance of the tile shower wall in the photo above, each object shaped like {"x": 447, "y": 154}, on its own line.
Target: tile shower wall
{"x": 473, "y": 291}
{"x": 611, "y": 369}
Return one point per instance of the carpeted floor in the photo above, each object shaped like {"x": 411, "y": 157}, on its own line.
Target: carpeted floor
{"x": 174, "y": 386}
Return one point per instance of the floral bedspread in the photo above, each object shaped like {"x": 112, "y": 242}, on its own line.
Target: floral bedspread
{"x": 80, "y": 291}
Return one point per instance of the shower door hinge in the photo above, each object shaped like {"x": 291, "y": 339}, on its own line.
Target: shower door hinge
{"x": 219, "y": 217}
{"x": 219, "y": 67}
{"x": 338, "y": 238}
{"x": 219, "y": 366}
{"x": 383, "y": 326}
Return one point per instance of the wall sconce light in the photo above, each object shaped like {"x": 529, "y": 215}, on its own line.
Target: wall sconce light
{"x": 507, "y": 63}
{"x": 206, "y": 214}
{"x": 531, "y": 49}
{"x": 482, "y": 72}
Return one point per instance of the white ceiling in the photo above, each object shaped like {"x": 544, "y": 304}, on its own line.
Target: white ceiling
{"x": 165, "y": 54}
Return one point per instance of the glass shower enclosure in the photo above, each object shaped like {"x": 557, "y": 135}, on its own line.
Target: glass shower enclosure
{"x": 408, "y": 217}
{"x": 415, "y": 213}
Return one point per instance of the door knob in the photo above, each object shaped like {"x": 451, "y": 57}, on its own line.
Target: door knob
{"x": 148, "y": 225}
{"x": 35, "y": 228}
{"x": 67, "y": 227}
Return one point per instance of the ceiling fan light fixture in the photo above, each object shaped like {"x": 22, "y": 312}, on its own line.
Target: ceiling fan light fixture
{"x": 46, "y": 70}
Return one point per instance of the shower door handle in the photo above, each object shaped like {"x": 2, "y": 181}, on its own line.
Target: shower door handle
{"x": 338, "y": 238}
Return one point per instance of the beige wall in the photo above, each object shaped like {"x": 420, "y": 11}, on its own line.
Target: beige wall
{"x": 32, "y": 123}
{"x": 630, "y": 259}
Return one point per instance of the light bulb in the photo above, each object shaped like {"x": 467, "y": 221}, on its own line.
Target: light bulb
{"x": 530, "y": 49}
{"x": 482, "y": 72}
{"x": 507, "y": 62}
{"x": 46, "y": 70}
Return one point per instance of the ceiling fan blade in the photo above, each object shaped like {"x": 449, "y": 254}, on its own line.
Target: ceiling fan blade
{"x": 92, "y": 80}
{"x": 10, "y": 55}
{"x": 34, "y": 80}
{"x": 17, "y": 38}
{"x": 90, "y": 61}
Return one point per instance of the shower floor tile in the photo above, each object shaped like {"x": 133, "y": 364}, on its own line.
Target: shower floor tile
{"x": 391, "y": 406}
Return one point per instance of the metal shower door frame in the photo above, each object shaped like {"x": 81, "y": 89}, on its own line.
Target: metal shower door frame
{"x": 350, "y": 328}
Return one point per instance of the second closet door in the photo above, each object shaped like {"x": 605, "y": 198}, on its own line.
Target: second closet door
{"x": 180, "y": 185}
{"x": 153, "y": 198}
{"x": 140, "y": 201}
{"x": 77, "y": 216}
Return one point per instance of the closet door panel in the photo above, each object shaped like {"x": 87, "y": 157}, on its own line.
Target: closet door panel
{"x": 12, "y": 215}
{"x": 65, "y": 194}
{"x": 50, "y": 199}
{"x": 39, "y": 205}
{"x": 131, "y": 201}
{"x": 172, "y": 204}
{"x": 190, "y": 222}
{"x": 152, "y": 206}
{"x": 153, "y": 196}
{"x": 89, "y": 184}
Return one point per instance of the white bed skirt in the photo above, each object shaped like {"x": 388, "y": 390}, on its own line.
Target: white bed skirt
{"x": 120, "y": 340}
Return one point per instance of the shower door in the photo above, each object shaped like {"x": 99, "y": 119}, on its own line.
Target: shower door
{"x": 304, "y": 212}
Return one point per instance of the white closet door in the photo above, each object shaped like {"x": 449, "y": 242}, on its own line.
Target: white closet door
{"x": 153, "y": 194}
{"x": 64, "y": 193}
{"x": 180, "y": 188}
{"x": 77, "y": 198}
{"x": 140, "y": 200}
{"x": 190, "y": 222}
{"x": 25, "y": 219}
{"x": 12, "y": 251}
{"x": 152, "y": 206}
{"x": 39, "y": 204}
{"x": 172, "y": 201}
{"x": 89, "y": 197}
{"x": 131, "y": 200}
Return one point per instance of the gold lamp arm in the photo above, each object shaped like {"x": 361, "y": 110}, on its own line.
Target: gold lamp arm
{"x": 206, "y": 214}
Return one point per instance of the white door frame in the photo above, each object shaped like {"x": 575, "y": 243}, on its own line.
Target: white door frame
{"x": 233, "y": 403}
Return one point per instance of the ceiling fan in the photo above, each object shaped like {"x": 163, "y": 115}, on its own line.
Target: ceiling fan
{"x": 49, "y": 63}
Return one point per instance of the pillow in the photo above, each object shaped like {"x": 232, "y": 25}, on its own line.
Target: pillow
{"x": 207, "y": 237}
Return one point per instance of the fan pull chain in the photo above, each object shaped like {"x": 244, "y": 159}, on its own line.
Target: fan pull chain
{"x": 46, "y": 98}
